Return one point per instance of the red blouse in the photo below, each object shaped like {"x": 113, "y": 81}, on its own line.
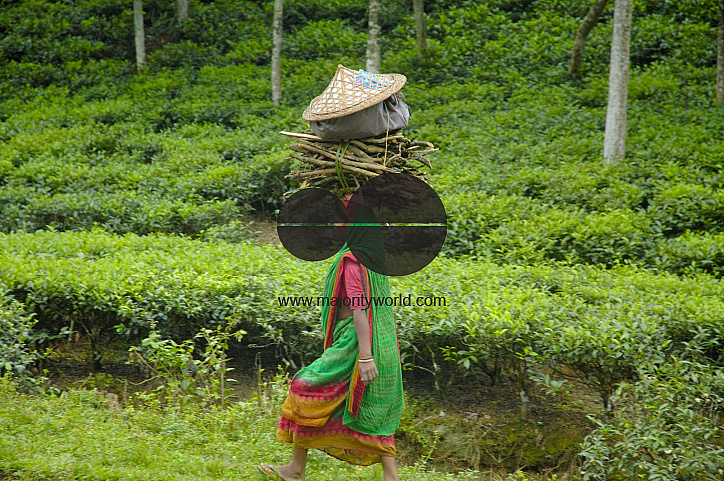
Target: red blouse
{"x": 352, "y": 287}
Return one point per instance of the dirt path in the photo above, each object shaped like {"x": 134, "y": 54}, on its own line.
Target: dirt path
{"x": 265, "y": 232}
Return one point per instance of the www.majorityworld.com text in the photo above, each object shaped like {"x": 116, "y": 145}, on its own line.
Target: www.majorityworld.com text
{"x": 399, "y": 300}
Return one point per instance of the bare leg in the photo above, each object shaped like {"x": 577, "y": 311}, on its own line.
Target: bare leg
{"x": 389, "y": 468}
{"x": 295, "y": 469}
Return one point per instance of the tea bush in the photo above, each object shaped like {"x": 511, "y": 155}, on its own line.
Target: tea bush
{"x": 667, "y": 427}
{"x": 17, "y": 353}
{"x": 693, "y": 252}
{"x": 682, "y": 207}
{"x": 599, "y": 324}
{"x": 82, "y": 172}
{"x": 492, "y": 96}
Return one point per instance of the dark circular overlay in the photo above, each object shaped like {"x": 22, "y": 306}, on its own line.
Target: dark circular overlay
{"x": 394, "y": 224}
{"x": 306, "y": 224}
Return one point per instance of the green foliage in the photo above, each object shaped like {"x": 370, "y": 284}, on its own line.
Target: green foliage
{"x": 667, "y": 427}
{"x": 602, "y": 351}
{"x": 234, "y": 232}
{"x": 22, "y": 345}
{"x": 326, "y": 38}
{"x": 683, "y": 206}
{"x": 184, "y": 54}
{"x": 189, "y": 146}
{"x": 89, "y": 167}
{"x": 184, "y": 379}
{"x": 493, "y": 96}
{"x": 298, "y": 13}
{"x": 473, "y": 215}
{"x": 605, "y": 238}
{"x": 693, "y": 252}
{"x": 502, "y": 321}
{"x": 17, "y": 354}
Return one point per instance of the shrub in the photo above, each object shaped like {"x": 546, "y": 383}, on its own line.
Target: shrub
{"x": 687, "y": 206}
{"x": 183, "y": 379}
{"x": 605, "y": 238}
{"x": 601, "y": 350}
{"x": 472, "y": 215}
{"x": 19, "y": 342}
{"x": 326, "y": 38}
{"x": 667, "y": 427}
{"x": 184, "y": 54}
{"x": 692, "y": 252}
{"x": 591, "y": 186}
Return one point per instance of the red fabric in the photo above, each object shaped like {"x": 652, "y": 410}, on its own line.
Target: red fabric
{"x": 304, "y": 389}
{"x": 359, "y": 390}
{"x": 352, "y": 283}
{"x": 333, "y": 426}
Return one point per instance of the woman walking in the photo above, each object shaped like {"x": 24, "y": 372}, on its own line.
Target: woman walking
{"x": 348, "y": 403}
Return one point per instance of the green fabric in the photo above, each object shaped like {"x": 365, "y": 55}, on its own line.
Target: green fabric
{"x": 336, "y": 363}
{"x": 383, "y": 399}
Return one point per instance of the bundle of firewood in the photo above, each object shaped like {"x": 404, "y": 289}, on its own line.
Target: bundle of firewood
{"x": 331, "y": 164}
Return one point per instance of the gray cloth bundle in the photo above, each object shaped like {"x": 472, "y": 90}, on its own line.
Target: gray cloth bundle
{"x": 389, "y": 115}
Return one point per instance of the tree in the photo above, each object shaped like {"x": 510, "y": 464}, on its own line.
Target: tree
{"x": 182, "y": 7}
{"x": 614, "y": 143}
{"x": 579, "y": 44}
{"x": 373, "y": 38}
{"x": 720, "y": 57}
{"x": 276, "y": 62}
{"x": 139, "y": 36}
{"x": 418, "y": 7}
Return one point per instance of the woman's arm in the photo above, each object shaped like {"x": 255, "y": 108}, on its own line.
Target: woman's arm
{"x": 352, "y": 278}
{"x": 361, "y": 325}
{"x": 367, "y": 370}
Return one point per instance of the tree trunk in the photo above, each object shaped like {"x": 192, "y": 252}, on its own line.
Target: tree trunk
{"x": 582, "y": 35}
{"x": 720, "y": 57}
{"x": 614, "y": 144}
{"x": 276, "y": 62}
{"x": 139, "y": 36}
{"x": 183, "y": 10}
{"x": 373, "y": 38}
{"x": 420, "y": 29}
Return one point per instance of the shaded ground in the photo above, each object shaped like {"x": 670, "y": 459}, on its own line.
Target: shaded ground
{"x": 480, "y": 426}
{"x": 265, "y": 231}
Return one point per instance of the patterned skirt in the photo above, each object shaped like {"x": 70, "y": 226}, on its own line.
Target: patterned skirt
{"x": 313, "y": 413}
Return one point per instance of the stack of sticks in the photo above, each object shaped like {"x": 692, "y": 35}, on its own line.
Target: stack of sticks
{"x": 321, "y": 163}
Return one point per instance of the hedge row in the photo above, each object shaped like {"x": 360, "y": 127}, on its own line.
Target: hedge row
{"x": 523, "y": 181}
{"x": 191, "y": 143}
{"x": 69, "y": 166}
{"x": 545, "y": 196}
{"x": 499, "y": 41}
{"x": 501, "y": 320}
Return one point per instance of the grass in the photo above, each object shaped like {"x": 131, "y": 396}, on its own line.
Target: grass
{"x": 75, "y": 435}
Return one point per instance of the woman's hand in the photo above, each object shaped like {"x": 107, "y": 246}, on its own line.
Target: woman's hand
{"x": 367, "y": 371}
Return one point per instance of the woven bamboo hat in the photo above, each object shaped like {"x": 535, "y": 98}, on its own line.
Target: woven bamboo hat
{"x": 351, "y": 91}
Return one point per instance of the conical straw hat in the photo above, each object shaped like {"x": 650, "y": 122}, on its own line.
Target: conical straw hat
{"x": 351, "y": 91}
